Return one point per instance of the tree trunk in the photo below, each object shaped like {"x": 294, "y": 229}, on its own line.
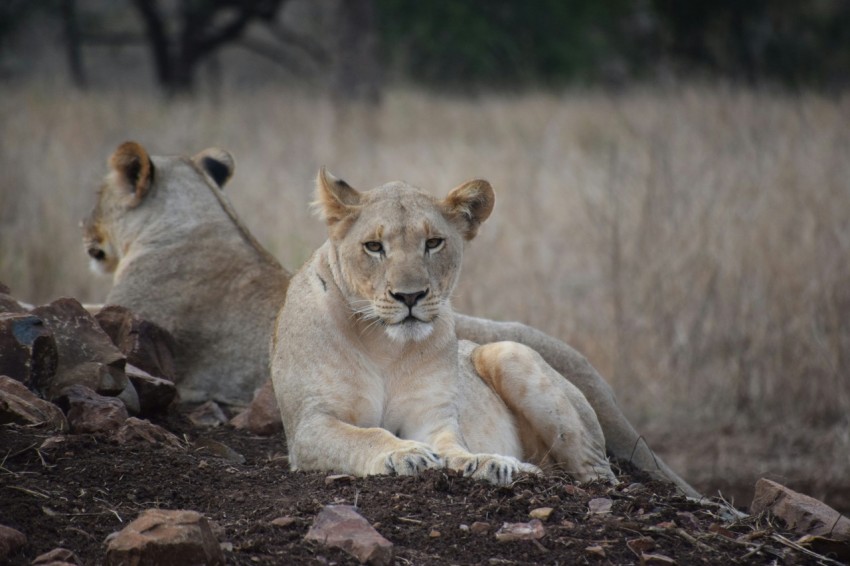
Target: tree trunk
{"x": 72, "y": 44}
{"x": 356, "y": 70}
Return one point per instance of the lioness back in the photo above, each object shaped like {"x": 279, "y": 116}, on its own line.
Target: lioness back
{"x": 181, "y": 258}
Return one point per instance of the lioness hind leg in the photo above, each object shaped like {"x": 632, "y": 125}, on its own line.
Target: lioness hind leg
{"x": 554, "y": 408}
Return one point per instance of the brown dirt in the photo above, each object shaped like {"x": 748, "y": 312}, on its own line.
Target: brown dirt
{"x": 76, "y": 494}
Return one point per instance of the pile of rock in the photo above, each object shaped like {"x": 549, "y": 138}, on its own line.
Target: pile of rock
{"x": 65, "y": 369}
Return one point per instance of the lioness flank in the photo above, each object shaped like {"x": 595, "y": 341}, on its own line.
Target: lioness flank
{"x": 367, "y": 368}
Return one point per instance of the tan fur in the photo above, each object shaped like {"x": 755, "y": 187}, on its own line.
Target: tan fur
{"x": 181, "y": 258}
{"x": 367, "y": 368}
{"x": 201, "y": 295}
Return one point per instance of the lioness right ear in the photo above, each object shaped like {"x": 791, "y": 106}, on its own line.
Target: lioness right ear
{"x": 133, "y": 169}
{"x": 216, "y": 163}
{"x": 470, "y": 204}
{"x": 335, "y": 199}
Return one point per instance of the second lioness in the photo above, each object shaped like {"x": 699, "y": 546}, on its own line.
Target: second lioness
{"x": 367, "y": 368}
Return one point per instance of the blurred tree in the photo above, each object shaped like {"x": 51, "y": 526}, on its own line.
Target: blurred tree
{"x": 356, "y": 69}
{"x": 204, "y": 26}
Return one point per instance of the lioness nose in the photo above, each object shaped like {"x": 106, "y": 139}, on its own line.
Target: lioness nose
{"x": 97, "y": 253}
{"x": 409, "y": 299}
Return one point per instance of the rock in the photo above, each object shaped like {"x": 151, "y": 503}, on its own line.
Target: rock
{"x": 20, "y": 405}
{"x": 219, "y": 450}
{"x": 89, "y": 412}
{"x": 479, "y": 528}
{"x": 531, "y": 530}
{"x": 160, "y": 537}
{"x": 801, "y": 513}
{"x": 574, "y": 490}
{"x": 8, "y": 303}
{"x": 130, "y": 398}
{"x": 340, "y": 526}
{"x": 145, "y": 344}
{"x": 155, "y": 393}
{"x": 10, "y": 541}
{"x": 541, "y": 513}
{"x": 262, "y": 416}
{"x": 599, "y": 506}
{"x": 57, "y": 557}
{"x": 208, "y": 415}
{"x": 27, "y": 350}
{"x": 139, "y": 430}
{"x": 86, "y": 354}
{"x": 338, "y": 478}
{"x": 640, "y": 545}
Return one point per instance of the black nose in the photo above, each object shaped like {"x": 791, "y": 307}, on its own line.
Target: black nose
{"x": 97, "y": 254}
{"x": 409, "y": 299}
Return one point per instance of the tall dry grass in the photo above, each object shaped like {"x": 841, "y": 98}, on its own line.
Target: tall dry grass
{"x": 694, "y": 244}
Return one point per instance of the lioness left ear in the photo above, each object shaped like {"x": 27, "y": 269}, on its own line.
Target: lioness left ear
{"x": 134, "y": 168}
{"x": 335, "y": 199}
{"x": 469, "y": 205}
{"x": 217, "y": 163}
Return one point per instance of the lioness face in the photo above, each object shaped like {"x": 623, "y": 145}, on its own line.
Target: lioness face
{"x": 102, "y": 256}
{"x": 399, "y": 250}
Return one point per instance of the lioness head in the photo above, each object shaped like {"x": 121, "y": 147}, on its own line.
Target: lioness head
{"x": 398, "y": 250}
{"x": 135, "y": 178}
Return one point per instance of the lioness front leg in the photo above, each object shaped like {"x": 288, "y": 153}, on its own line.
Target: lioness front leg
{"x": 327, "y": 443}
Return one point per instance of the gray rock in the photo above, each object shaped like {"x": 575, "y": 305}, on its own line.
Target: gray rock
{"x": 27, "y": 350}
{"x": 145, "y": 344}
{"x": 155, "y": 393}
{"x": 160, "y": 537}
{"x": 20, "y": 405}
{"x": 89, "y": 412}
{"x": 10, "y": 541}
{"x": 801, "y": 513}
{"x": 262, "y": 416}
{"x": 340, "y": 526}
{"x": 86, "y": 354}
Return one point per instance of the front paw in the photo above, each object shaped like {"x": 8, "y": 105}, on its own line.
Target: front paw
{"x": 494, "y": 468}
{"x": 411, "y": 459}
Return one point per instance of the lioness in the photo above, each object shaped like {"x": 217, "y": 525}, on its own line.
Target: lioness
{"x": 173, "y": 269}
{"x": 365, "y": 361}
{"x": 182, "y": 259}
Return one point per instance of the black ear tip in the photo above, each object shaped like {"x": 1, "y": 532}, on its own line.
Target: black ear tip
{"x": 219, "y": 172}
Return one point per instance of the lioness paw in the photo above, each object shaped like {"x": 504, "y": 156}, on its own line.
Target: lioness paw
{"x": 411, "y": 460}
{"x": 494, "y": 468}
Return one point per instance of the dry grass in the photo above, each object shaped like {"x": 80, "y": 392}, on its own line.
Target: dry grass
{"x": 694, "y": 244}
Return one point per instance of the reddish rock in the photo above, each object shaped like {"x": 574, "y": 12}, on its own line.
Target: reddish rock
{"x": 145, "y": 344}
{"x": 340, "y": 526}
{"x": 57, "y": 557}
{"x": 20, "y": 405}
{"x": 262, "y": 416}
{"x": 531, "y": 530}
{"x": 479, "y": 528}
{"x": 208, "y": 415}
{"x": 155, "y": 393}
{"x": 656, "y": 559}
{"x": 27, "y": 350}
{"x": 160, "y": 537}
{"x": 139, "y": 430}
{"x": 89, "y": 412}
{"x": 801, "y": 513}
{"x": 86, "y": 354}
{"x": 10, "y": 541}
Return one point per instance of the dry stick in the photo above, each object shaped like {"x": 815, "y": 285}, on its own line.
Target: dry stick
{"x": 29, "y": 491}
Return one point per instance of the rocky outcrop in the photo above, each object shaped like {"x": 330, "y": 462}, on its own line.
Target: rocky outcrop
{"x": 21, "y": 406}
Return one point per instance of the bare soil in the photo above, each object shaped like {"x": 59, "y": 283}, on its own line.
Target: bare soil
{"x": 76, "y": 493}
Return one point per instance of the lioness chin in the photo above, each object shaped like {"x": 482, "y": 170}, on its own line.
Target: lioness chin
{"x": 367, "y": 368}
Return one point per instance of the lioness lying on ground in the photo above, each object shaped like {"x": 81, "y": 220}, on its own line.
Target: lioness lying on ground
{"x": 184, "y": 261}
{"x": 365, "y": 361}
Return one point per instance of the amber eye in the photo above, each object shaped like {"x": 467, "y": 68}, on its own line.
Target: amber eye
{"x": 432, "y": 244}
{"x": 374, "y": 247}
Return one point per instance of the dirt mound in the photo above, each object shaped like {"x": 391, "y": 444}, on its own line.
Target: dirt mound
{"x": 75, "y": 490}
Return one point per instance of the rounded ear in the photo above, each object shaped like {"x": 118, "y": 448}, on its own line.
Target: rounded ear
{"x": 134, "y": 169}
{"x": 468, "y": 205}
{"x": 335, "y": 199}
{"x": 217, "y": 163}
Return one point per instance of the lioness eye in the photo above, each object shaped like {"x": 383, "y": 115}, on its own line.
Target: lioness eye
{"x": 433, "y": 243}
{"x": 374, "y": 247}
